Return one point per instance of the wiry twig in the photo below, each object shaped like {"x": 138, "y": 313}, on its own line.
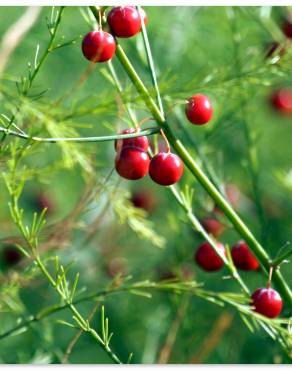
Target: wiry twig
{"x": 173, "y": 330}
{"x": 212, "y": 338}
{"x": 92, "y": 139}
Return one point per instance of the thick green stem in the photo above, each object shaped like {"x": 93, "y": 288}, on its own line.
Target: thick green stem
{"x": 239, "y": 225}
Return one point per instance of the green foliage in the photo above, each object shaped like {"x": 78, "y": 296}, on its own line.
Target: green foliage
{"x": 84, "y": 254}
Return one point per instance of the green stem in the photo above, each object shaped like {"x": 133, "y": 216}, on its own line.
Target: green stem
{"x": 120, "y": 89}
{"x": 146, "y": 132}
{"x": 82, "y": 323}
{"x": 238, "y": 224}
{"x": 37, "y": 68}
{"x": 47, "y": 51}
{"x": 252, "y": 160}
{"x": 44, "y": 313}
{"x": 278, "y": 260}
{"x": 150, "y": 62}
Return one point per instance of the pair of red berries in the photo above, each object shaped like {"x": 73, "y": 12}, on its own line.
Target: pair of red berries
{"x": 132, "y": 161}
{"x": 242, "y": 257}
{"x": 124, "y": 21}
{"x": 266, "y": 301}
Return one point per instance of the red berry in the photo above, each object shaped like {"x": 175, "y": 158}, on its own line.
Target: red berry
{"x": 282, "y": 100}
{"x": 11, "y": 255}
{"x": 132, "y": 163}
{"x": 43, "y": 201}
{"x": 207, "y": 258}
{"x": 140, "y": 142}
{"x": 287, "y": 27}
{"x": 98, "y": 46}
{"x": 267, "y": 302}
{"x": 243, "y": 258}
{"x": 165, "y": 168}
{"x": 125, "y": 21}
{"x": 144, "y": 199}
{"x": 213, "y": 226}
{"x": 199, "y": 109}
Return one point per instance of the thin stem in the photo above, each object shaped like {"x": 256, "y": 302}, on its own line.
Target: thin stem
{"x": 37, "y": 68}
{"x": 209, "y": 171}
{"x": 252, "y": 159}
{"x": 173, "y": 287}
{"x": 31, "y": 242}
{"x": 120, "y": 89}
{"x": 282, "y": 257}
{"x": 47, "y": 51}
{"x": 145, "y": 132}
{"x": 166, "y": 141}
{"x": 150, "y": 61}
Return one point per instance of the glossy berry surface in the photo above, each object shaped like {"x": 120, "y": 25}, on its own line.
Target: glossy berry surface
{"x": 282, "y": 101}
{"x": 125, "y": 21}
{"x": 199, "y": 109}
{"x": 243, "y": 258}
{"x": 267, "y": 302}
{"x": 213, "y": 226}
{"x": 140, "y": 142}
{"x": 132, "y": 163}
{"x": 98, "y": 46}
{"x": 207, "y": 258}
{"x": 166, "y": 168}
{"x": 287, "y": 28}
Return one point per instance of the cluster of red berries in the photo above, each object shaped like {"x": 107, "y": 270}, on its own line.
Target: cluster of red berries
{"x": 266, "y": 301}
{"x": 133, "y": 162}
{"x": 124, "y": 21}
{"x": 165, "y": 168}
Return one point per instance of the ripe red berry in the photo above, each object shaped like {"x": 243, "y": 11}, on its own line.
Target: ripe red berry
{"x": 267, "y": 302}
{"x": 243, "y": 258}
{"x": 11, "y": 255}
{"x": 213, "y": 226}
{"x": 207, "y": 258}
{"x": 144, "y": 199}
{"x": 282, "y": 100}
{"x": 165, "y": 168}
{"x": 98, "y": 46}
{"x": 287, "y": 27}
{"x": 125, "y": 21}
{"x": 140, "y": 142}
{"x": 199, "y": 109}
{"x": 132, "y": 163}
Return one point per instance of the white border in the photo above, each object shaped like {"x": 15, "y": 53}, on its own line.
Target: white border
{"x": 148, "y": 2}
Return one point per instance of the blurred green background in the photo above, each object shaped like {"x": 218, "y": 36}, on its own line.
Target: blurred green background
{"x": 218, "y": 51}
